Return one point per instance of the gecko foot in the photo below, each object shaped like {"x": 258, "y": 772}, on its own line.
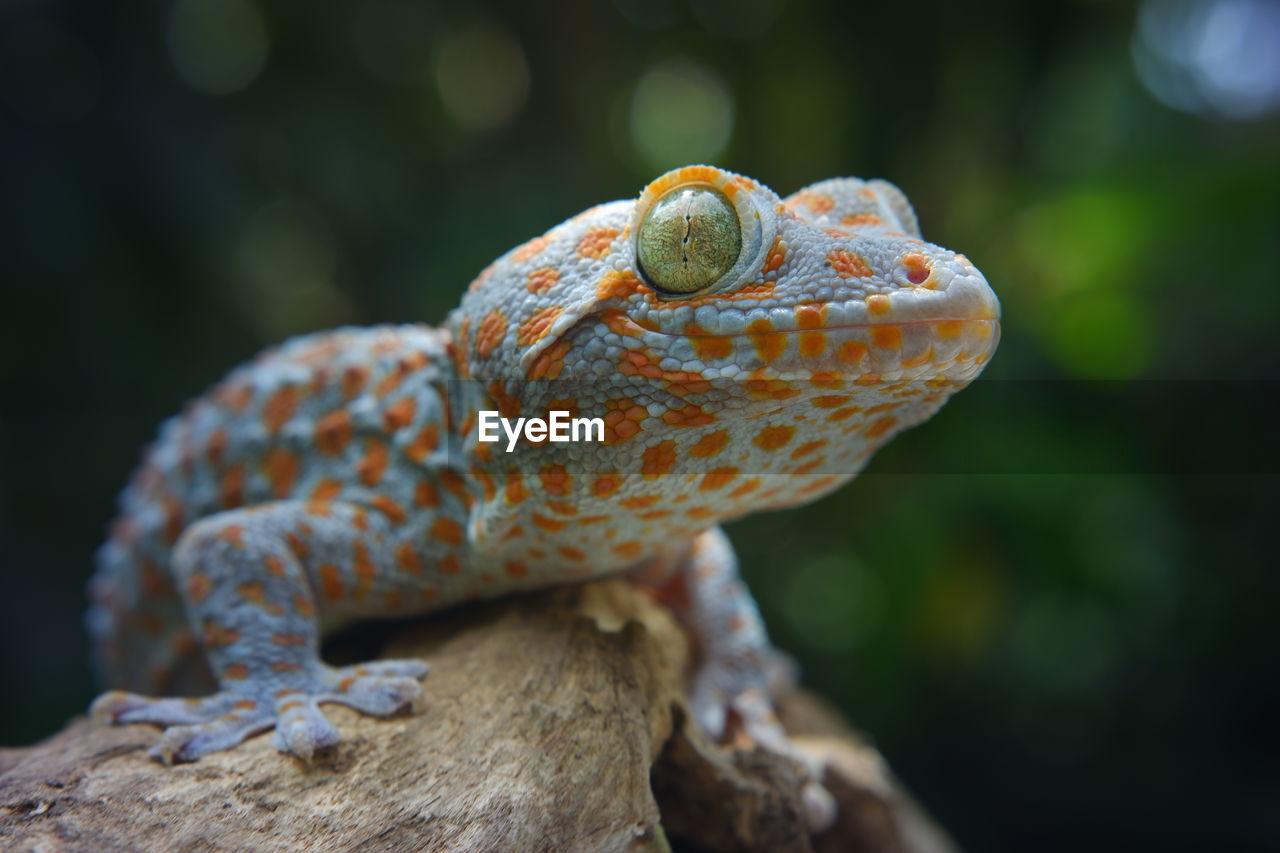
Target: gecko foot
{"x": 195, "y": 727}
{"x": 748, "y": 719}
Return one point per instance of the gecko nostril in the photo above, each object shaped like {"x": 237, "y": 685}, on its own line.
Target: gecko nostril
{"x": 917, "y": 267}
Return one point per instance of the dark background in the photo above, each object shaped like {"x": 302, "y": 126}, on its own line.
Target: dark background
{"x": 1049, "y": 606}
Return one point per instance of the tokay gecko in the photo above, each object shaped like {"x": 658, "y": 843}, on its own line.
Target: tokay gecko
{"x": 741, "y": 352}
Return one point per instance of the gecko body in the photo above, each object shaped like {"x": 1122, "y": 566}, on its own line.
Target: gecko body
{"x": 743, "y": 351}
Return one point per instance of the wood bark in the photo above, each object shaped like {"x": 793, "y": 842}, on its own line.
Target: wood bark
{"x": 552, "y": 722}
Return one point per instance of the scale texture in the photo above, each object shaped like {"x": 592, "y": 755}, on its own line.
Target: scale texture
{"x": 745, "y": 352}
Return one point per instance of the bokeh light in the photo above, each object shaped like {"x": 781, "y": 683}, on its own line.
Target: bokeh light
{"x": 482, "y": 77}
{"x": 681, "y": 112}
{"x": 218, "y": 46}
{"x": 286, "y": 264}
{"x": 1215, "y": 57}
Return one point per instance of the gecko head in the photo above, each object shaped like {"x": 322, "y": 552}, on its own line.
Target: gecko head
{"x": 718, "y": 321}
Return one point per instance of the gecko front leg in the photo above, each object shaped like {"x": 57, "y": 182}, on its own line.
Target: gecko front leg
{"x": 731, "y": 694}
{"x": 250, "y": 580}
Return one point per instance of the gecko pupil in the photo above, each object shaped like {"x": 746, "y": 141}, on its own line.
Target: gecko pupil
{"x": 688, "y": 240}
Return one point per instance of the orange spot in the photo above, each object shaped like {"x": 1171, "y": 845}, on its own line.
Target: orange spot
{"x": 353, "y": 380}
{"x": 283, "y": 640}
{"x": 392, "y": 510}
{"x": 710, "y": 444}
{"x": 617, "y": 284}
{"x": 515, "y": 569}
{"x": 173, "y": 516}
{"x": 658, "y": 459}
{"x": 830, "y": 401}
{"x": 605, "y": 485}
{"x": 852, "y": 352}
{"x": 333, "y": 432}
{"x": 877, "y": 305}
{"x": 217, "y": 446}
{"x": 690, "y": 415}
{"x": 232, "y": 533}
{"x": 493, "y": 327}
{"x": 571, "y": 553}
{"x": 530, "y": 249}
{"x": 744, "y": 488}
{"x": 810, "y": 317}
{"x": 274, "y": 566}
{"x": 807, "y": 448}
{"x": 304, "y": 606}
{"x": 880, "y": 427}
{"x": 595, "y": 243}
{"x": 848, "y": 265}
{"x": 331, "y": 582}
{"x": 542, "y": 279}
{"x": 640, "y": 501}
{"x": 619, "y": 323}
{"x": 550, "y": 362}
{"x": 279, "y": 407}
{"x": 948, "y": 329}
{"x": 231, "y": 486}
{"x": 717, "y": 478}
{"x": 236, "y": 672}
{"x": 777, "y": 255}
{"x": 407, "y": 559}
{"x": 326, "y": 490}
{"x": 449, "y": 564}
{"x": 537, "y": 326}
{"x": 545, "y": 523}
{"x": 709, "y": 347}
{"x": 844, "y": 414}
{"x": 236, "y": 398}
{"x": 281, "y": 467}
{"x": 861, "y": 219}
{"x": 812, "y": 344}
{"x": 456, "y": 485}
{"x": 426, "y": 441}
{"x": 217, "y": 636}
{"x": 561, "y": 507}
{"x": 447, "y": 530}
{"x": 768, "y": 346}
{"x": 198, "y": 587}
{"x": 771, "y": 438}
{"x": 374, "y": 463}
{"x": 399, "y": 414}
{"x": 622, "y": 419}
{"x": 820, "y": 203}
{"x": 515, "y": 491}
{"x": 628, "y": 549}
{"x": 887, "y": 337}
{"x": 556, "y": 480}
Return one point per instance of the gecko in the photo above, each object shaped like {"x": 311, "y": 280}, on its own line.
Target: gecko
{"x": 743, "y": 352}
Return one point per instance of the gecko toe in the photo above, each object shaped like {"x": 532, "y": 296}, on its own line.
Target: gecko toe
{"x": 121, "y": 708}
{"x": 302, "y": 729}
{"x": 380, "y": 688}
{"x": 190, "y": 742}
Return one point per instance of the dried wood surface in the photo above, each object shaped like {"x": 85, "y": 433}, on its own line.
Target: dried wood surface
{"x": 552, "y": 723}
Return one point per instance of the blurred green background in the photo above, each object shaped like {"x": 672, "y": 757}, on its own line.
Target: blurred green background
{"x": 1049, "y": 606}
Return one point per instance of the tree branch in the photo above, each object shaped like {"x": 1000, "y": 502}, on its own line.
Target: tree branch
{"x": 552, "y": 722}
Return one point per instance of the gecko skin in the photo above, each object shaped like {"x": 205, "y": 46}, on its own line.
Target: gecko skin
{"x": 745, "y": 352}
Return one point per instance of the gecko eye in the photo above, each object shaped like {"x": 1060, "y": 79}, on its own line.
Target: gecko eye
{"x": 688, "y": 240}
